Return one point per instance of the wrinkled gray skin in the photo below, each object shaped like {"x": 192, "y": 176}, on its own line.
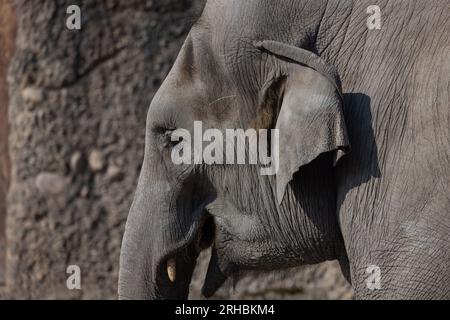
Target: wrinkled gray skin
{"x": 384, "y": 203}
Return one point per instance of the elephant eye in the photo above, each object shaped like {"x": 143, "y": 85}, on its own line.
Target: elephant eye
{"x": 169, "y": 143}
{"x": 164, "y": 135}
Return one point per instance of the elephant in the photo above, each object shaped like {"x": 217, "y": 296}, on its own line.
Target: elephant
{"x": 364, "y": 150}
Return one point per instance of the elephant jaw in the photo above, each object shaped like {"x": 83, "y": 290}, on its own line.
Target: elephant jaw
{"x": 173, "y": 262}
{"x": 213, "y": 280}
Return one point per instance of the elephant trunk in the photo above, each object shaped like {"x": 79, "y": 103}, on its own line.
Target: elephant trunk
{"x": 158, "y": 252}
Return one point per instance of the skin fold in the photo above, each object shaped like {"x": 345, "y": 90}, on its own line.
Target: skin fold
{"x": 364, "y": 175}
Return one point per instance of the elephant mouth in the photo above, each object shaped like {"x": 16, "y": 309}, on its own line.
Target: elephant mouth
{"x": 206, "y": 233}
{"x": 174, "y": 262}
{"x": 218, "y": 269}
{"x": 214, "y": 277}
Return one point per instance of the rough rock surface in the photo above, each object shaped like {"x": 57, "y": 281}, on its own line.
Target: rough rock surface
{"x": 78, "y": 103}
{"x": 7, "y": 39}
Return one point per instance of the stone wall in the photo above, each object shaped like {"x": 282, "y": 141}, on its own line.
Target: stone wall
{"x": 78, "y": 103}
{"x": 7, "y": 39}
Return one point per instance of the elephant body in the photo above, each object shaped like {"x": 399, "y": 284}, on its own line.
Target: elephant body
{"x": 393, "y": 194}
{"x": 364, "y": 169}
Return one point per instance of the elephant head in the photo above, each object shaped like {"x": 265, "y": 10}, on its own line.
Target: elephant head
{"x": 228, "y": 76}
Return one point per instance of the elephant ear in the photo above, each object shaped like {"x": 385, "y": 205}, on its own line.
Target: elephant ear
{"x": 311, "y": 119}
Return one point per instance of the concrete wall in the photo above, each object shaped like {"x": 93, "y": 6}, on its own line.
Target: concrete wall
{"x": 78, "y": 103}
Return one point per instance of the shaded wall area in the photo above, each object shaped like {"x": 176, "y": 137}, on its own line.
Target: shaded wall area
{"x": 77, "y": 110}
{"x": 7, "y": 40}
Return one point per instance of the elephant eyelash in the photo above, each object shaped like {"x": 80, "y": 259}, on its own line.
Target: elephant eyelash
{"x": 161, "y": 130}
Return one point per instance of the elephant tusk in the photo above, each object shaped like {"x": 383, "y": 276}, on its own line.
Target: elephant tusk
{"x": 171, "y": 269}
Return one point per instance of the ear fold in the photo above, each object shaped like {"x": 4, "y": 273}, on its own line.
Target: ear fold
{"x": 311, "y": 120}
